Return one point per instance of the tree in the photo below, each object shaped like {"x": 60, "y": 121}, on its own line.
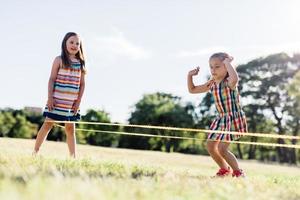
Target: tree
{"x": 263, "y": 83}
{"x": 294, "y": 110}
{"x": 13, "y": 123}
{"x": 159, "y": 109}
{"x": 23, "y": 128}
{"x": 7, "y": 122}
{"x": 94, "y": 138}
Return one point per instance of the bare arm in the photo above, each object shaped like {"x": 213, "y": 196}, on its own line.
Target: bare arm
{"x": 80, "y": 94}
{"x": 197, "y": 88}
{"x": 53, "y": 75}
{"x": 82, "y": 87}
{"x": 233, "y": 75}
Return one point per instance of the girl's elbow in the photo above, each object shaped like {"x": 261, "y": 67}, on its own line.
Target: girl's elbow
{"x": 236, "y": 76}
{"x": 236, "y": 80}
{"x": 233, "y": 83}
{"x": 191, "y": 90}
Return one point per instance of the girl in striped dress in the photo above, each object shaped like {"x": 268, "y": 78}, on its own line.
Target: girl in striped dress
{"x": 65, "y": 89}
{"x": 223, "y": 86}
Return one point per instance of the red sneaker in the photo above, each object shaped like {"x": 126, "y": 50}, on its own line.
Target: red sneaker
{"x": 238, "y": 173}
{"x": 223, "y": 172}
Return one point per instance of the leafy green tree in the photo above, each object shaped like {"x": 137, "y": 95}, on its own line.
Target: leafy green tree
{"x": 294, "y": 110}
{"x": 13, "y": 123}
{"x": 7, "y": 122}
{"x": 263, "y": 84}
{"x": 257, "y": 123}
{"x": 159, "y": 109}
{"x": 95, "y": 138}
{"x": 23, "y": 128}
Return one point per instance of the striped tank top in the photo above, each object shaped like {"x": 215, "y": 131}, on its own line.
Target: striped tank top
{"x": 230, "y": 115}
{"x": 65, "y": 93}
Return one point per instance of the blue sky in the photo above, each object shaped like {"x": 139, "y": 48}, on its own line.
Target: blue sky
{"x": 135, "y": 47}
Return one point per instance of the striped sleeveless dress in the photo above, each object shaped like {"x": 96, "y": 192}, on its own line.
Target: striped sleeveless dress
{"x": 65, "y": 93}
{"x": 230, "y": 115}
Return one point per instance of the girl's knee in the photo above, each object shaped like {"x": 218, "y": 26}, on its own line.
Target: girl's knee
{"x": 211, "y": 146}
{"x": 48, "y": 124}
{"x": 222, "y": 150}
{"x": 70, "y": 129}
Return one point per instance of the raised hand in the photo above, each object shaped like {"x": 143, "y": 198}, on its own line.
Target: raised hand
{"x": 194, "y": 71}
{"x": 228, "y": 59}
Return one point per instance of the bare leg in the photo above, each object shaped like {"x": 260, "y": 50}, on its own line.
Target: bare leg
{"x": 71, "y": 139}
{"x": 212, "y": 148}
{"x": 42, "y": 134}
{"x": 228, "y": 156}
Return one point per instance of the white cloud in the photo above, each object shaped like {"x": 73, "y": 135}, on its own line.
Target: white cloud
{"x": 118, "y": 45}
{"x": 241, "y": 54}
{"x": 201, "y": 52}
{"x": 247, "y": 53}
{"x": 269, "y": 49}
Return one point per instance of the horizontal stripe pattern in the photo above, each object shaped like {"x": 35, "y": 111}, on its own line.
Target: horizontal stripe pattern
{"x": 230, "y": 115}
{"x": 61, "y": 117}
{"x": 65, "y": 93}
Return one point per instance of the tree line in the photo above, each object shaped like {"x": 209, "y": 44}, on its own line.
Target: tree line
{"x": 269, "y": 87}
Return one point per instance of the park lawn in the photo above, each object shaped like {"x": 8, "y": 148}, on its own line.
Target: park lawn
{"x": 111, "y": 173}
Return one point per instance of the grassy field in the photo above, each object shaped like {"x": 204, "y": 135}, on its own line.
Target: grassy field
{"x": 108, "y": 173}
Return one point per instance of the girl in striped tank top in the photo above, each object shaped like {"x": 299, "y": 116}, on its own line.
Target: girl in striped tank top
{"x": 65, "y": 89}
{"x": 223, "y": 86}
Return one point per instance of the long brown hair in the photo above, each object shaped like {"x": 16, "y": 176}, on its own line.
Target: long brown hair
{"x": 66, "y": 62}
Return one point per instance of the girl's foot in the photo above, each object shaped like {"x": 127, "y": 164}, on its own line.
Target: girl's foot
{"x": 34, "y": 153}
{"x": 72, "y": 156}
{"x": 238, "y": 173}
{"x": 223, "y": 172}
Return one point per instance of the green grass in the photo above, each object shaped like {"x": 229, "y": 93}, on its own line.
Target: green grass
{"x": 108, "y": 173}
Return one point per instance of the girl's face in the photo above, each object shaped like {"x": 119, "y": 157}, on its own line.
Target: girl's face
{"x": 73, "y": 45}
{"x": 217, "y": 68}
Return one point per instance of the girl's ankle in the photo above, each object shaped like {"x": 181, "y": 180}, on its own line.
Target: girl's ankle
{"x": 73, "y": 155}
{"x": 35, "y": 152}
{"x": 238, "y": 173}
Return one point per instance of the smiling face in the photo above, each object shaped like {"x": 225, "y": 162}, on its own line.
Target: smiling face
{"x": 73, "y": 45}
{"x": 217, "y": 68}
